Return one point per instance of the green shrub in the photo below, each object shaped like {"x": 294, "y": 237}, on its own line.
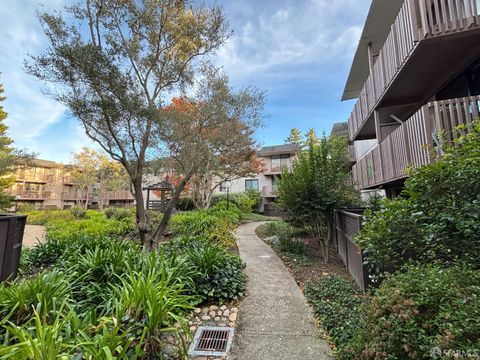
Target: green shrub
{"x": 438, "y": 218}
{"x": 246, "y": 201}
{"x": 185, "y": 203}
{"x": 280, "y": 228}
{"x": 119, "y": 213}
{"x": 427, "y": 306}
{"x": 214, "y": 224}
{"x": 78, "y": 212}
{"x": 256, "y": 198}
{"x": 46, "y": 293}
{"x": 219, "y": 275}
{"x": 337, "y": 306}
{"x": 149, "y": 302}
{"x": 291, "y": 245}
{"x": 42, "y": 217}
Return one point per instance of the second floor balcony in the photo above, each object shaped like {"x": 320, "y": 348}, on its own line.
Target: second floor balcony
{"x": 277, "y": 168}
{"x": 412, "y": 144}
{"x": 429, "y": 42}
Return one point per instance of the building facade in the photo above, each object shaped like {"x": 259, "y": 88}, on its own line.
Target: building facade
{"x": 275, "y": 160}
{"x": 48, "y": 185}
{"x": 416, "y": 78}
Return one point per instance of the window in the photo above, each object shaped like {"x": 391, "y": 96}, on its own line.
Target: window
{"x": 280, "y": 162}
{"x": 251, "y": 184}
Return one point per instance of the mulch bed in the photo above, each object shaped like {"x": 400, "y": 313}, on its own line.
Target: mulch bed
{"x": 316, "y": 268}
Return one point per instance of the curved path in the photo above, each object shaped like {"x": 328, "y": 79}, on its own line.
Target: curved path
{"x": 275, "y": 322}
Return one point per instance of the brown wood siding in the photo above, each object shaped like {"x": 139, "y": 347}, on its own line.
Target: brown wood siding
{"x": 417, "y": 20}
{"x": 410, "y": 144}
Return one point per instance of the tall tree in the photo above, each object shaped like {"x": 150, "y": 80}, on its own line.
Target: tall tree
{"x": 115, "y": 74}
{"x": 311, "y": 138}
{"x": 209, "y": 136}
{"x": 318, "y": 183}
{"x": 295, "y": 137}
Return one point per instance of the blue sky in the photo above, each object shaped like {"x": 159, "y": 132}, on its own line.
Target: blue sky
{"x": 298, "y": 51}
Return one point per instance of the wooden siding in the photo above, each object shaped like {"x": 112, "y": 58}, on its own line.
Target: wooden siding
{"x": 409, "y": 145}
{"x": 417, "y": 20}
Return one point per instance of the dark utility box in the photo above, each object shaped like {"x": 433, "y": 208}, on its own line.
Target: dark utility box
{"x": 11, "y": 236}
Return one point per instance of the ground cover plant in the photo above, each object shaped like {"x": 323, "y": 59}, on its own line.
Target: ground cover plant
{"x": 338, "y": 307}
{"x": 90, "y": 291}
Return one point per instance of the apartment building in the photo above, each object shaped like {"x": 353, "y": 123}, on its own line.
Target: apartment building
{"x": 275, "y": 159}
{"x": 416, "y": 77}
{"x": 48, "y": 185}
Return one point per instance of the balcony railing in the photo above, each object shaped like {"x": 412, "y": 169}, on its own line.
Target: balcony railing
{"x": 42, "y": 179}
{"x": 29, "y": 194}
{"x": 417, "y": 20}
{"x": 277, "y": 168}
{"x": 118, "y": 195}
{"x": 408, "y": 145}
{"x": 107, "y": 195}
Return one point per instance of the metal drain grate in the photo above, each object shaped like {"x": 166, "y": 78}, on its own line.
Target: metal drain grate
{"x": 211, "y": 340}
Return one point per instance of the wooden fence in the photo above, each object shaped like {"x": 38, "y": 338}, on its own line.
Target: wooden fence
{"x": 348, "y": 223}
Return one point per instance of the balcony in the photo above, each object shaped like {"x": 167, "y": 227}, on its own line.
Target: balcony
{"x": 444, "y": 30}
{"x": 118, "y": 195}
{"x": 269, "y": 191}
{"x": 37, "y": 179}
{"x": 409, "y": 145}
{"x": 74, "y": 195}
{"x": 27, "y": 195}
{"x": 277, "y": 169}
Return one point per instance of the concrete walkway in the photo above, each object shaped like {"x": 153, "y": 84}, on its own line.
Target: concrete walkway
{"x": 33, "y": 235}
{"x": 275, "y": 322}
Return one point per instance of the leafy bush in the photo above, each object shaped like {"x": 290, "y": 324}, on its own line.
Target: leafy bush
{"x": 291, "y": 245}
{"x": 42, "y": 217}
{"x": 218, "y": 274}
{"x": 119, "y": 213}
{"x": 427, "y": 306}
{"x": 185, "y": 203}
{"x": 78, "y": 212}
{"x": 214, "y": 224}
{"x": 438, "y": 218}
{"x": 247, "y": 201}
{"x": 337, "y": 306}
{"x": 317, "y": 185}
{"x": 279, "y": 228}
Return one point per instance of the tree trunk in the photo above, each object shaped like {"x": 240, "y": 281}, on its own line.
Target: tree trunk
{"x": 160, "y": 231}
{"x": 86, "y": 199}
{"x": 140, "y": 213}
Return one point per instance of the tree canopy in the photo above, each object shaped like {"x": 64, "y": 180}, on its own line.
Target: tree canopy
{"x": 115, "y": 63}
{"x": 318, "y": 183}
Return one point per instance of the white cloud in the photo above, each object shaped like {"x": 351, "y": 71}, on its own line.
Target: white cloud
{"x": 289, "y": 34}
{"x": 30, "y": 113}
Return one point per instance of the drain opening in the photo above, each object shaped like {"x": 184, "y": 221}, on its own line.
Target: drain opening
{"x": 211, "y": 340}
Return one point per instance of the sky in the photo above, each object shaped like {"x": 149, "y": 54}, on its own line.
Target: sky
{"x": 298, "y": 51}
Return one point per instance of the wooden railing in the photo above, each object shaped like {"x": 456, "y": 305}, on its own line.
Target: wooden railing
{"x": 443, "y": 16}
{"x": 417, "y": 20}
{"x": 410, "y": 144}
{"x": 449, "y": 114}
{"x": 348, "y": 223}
{"x": 277, "y": 168}
{"x": 119, "y": 195}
